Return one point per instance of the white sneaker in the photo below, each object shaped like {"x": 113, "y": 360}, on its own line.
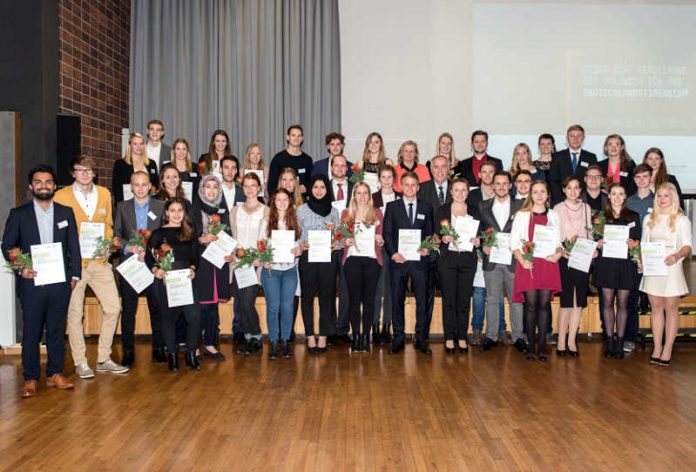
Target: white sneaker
{"x": 83, "y": 371}
{"x": 111, "y": 367}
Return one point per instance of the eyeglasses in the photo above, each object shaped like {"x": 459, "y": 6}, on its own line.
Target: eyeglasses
{"x": 82, "y": 170}
{"x": 594, "y": 177}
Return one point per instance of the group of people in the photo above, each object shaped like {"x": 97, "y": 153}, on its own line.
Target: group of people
{"x": 466, "y": 227}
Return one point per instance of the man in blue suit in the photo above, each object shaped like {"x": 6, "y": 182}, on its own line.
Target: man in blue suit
{"x": 43, "y": 222}
{"x": 408, "y": 213}
{"x": 335, "y": 142}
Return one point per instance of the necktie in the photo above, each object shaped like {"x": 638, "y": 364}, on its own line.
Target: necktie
{"x": 441, "y": 196}
{"x": 339, "y": 194}
{"x": 575, "y": 161}
{"x": 410, "y": 213}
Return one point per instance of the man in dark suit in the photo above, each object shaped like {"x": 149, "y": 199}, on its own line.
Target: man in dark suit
{"x": 139, "y": 213}
{"x": 42, "y": 221}
{"x": 498, "y": 213}
{"x": 233, "y": 193}
{"x": 335, "y": 142}
{"x": 566, "y": 162}
{"x": 469, "y": 168}
{"x": 485, "y": 190}
{"x": 155, "y": 148}
{"x": 436, "y": 192}
{"x": 410, "y": 212}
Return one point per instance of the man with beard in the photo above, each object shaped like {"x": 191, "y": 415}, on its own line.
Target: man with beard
{"x": 42, "y": 221}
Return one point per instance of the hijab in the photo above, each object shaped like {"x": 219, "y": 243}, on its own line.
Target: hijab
{"x": 322, "y": 206}
{"x": 201, "y": 194}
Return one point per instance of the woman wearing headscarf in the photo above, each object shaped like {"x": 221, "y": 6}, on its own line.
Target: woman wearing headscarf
{"x": 212, "y": 284}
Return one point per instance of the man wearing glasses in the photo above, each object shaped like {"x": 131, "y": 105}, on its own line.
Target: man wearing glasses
{"x": 593, "y": 195}
{"x": 91, "y": 204}
{"x": 523, "y": 182}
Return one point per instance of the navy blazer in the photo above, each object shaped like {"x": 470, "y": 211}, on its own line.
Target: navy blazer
{"x": 562, "y": 167}
{"x": 22, "y": 230}
{"x": 322, "y": 167}
{"x": 396, "y": 218}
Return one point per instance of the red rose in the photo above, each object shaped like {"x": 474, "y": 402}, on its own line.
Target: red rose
{"x": 338, "y": 235}
{"x": 330, "y": 226}
{"x": 240, "y": 252}
{"x": 166, "y": 247}
{"x": 261, "y": 245}
{"x": 444, "y": 222}
{"x": 14, "y": 253}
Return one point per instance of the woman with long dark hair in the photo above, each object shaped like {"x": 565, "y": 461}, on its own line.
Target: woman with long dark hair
{"x": 218, "y": 148}
{"x": 655, "y": 158}
{"x": 177, "y": 233}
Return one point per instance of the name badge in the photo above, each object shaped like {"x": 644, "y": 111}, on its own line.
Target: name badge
{"x": 239, "y": 203}
{"x": 649, "y": 210}
{"x": 193, "y": 174}
{"x": 300, "y": 171}
{"x": 63, "y": 224}
{"x": 221, "y": 211}
{"x": 151, "y": 215}
{"x": 584, "y": 164}
{"x": 632, "y": 224}
{"x": 102, "y": 211}
{"x": 152, "y": 171}
{"x": 420, "y": 216}
{"x": 623, "y": 174}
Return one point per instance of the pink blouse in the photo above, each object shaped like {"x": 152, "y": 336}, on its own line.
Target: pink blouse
{"x": 575, "y": 219}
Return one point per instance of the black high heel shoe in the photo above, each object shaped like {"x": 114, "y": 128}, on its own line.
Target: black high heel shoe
{"x": 450, "y": 350}
{"x": 218, "y": 356}
{"x": 573, "y": 353}
{"x": 561, "y": 352}
{"x": 463, "y": 350}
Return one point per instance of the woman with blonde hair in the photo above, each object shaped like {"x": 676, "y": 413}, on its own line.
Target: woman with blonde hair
{"x": 254, "y": 161}
{"x": 408, "y": 162}
{"x": 445, "y": 147}
{"x": 522, "y": 160}
{"x": 362, "y": 261}
{"x": 181, "y": 160}
{"x": 135, "y": 160}
{"x": 290, "y": 181}
{"x": 667, "y": 225}
{"x": 618, "y": 167}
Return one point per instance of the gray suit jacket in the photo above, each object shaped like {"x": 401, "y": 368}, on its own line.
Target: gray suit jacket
{"x": 488, "y": 220}
{"x": 428, "y": 192}
{"x": 165, "y": 155}
{"x": 125, "y": 224}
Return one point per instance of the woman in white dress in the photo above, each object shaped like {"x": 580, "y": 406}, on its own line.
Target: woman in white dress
{"x": 668, "y": 225}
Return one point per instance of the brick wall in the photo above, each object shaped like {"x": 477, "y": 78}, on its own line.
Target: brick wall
{"x": 94, "y": 51}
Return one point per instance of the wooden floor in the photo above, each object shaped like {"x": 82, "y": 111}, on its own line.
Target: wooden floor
{"x": 479, "y": 411}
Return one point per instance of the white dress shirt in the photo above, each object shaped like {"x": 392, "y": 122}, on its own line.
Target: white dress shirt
{"x": 87, "y": 200}
{"x": 501, "y": 212}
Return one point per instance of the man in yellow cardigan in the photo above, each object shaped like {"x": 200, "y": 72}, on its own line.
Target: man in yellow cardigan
{"x": 91, "y": 204}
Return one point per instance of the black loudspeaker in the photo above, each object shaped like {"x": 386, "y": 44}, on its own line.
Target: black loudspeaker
{"x": 67, "y": 146}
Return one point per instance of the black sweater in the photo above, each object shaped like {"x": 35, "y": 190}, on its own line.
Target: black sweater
{"x": 186, "y": 253}
{"x": 302, "y": 164}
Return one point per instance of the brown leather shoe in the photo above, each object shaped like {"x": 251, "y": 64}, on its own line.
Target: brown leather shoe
{"x": 60, "y": 382}
{"x": 29, "y": 389}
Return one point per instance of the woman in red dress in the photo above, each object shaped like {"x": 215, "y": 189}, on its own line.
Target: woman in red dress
{"x": 537, "y": 280}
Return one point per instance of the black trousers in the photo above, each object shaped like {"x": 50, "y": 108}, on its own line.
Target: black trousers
{"x": 318, "y": 277}
{"x": 43, "y": 307}
{"x": 190, "y": 313}
{"x": 362, "y": 275}
{"x": 210, "y": 323}
{"x": 248, "y": 315}
{"x": 129, "y": 304}
{"x": 456, "y": 271}
{"x": 418, "y": 271}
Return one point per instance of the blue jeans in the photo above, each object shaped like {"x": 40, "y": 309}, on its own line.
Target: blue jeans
{"x": 279, "y": 289}
{"x": 479, "y": 310}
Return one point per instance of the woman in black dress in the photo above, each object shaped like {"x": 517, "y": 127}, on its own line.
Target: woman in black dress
{"x": 177, "y": 233}
{"x": 135, "y": 160}
{"x": 617, "y": 277}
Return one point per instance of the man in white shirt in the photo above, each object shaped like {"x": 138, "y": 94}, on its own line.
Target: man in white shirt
{"x": 498, "y": 213}
{"x": 156, "y": 150}
{"x": 233, "y": 194}
{"x": 341, "y": 187}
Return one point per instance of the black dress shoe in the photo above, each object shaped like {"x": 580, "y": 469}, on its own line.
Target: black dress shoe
{"x": 254, "y": 346}
{"x": 423, "y": 347}
{"x": 618, "y": 351}
{"x": 158, "y": 355}
{"x": 238, "y": 338}
{"x": 273, "y": 353}
{"x": 520, "y": 345}
{"x": 396, "y": 346}
{"x": 173, "y": 362}
{"x": 128, "y": 358}
{"x": 193, "y": 361}
{"x": 488, "y": 344}
{"x": 376, "y": 338}
{"x": 331, "y": 340}
{"x": 543, "y": 356}
{"x": 285, "y": 347}
{"x": 345, "y": 339}
{"x": 385, "y": 335}
{"x": 218, "y": 356}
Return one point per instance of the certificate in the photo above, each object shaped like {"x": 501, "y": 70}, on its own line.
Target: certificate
{"x": 127, "y": 192}
{"x": 653, "y": 257}
{"x": 544, "y": 241}
{"x": 188, "y": 190}
{"x": 259, "y": 173}
{"x": 409, "y": 242}
{"x": 365, "y": 238}
{"x": 501, "y": 253}
{"x": 372, "y": 180}
{"x": 216, "y": 251}
{"x": 136, "y": 273}
{"x": 581, "y": 255}
{"x": 246, "y": 276}
{"x": 615, "y": 245}
{"x": 283, "y": 242}
{"x": 89, "y": 233}
{"x": 319, "y": 241}
{"x": 179, "y": 288}
{"x": 339, "y": 205}
{"x": 466, "y": 227}
{"x": 47, "y": 261}
{"x": 479, "y": 279}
